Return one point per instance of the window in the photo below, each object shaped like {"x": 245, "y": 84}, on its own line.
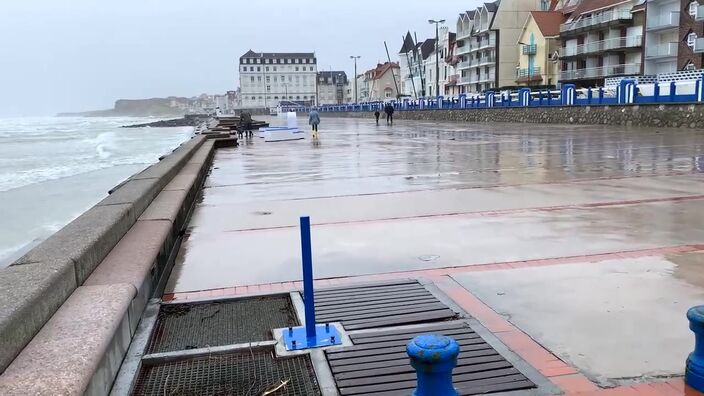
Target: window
{"x": 266, "y": 68}
{"x": 275, "y": 78}
{"x": 252, "y": 78}
{"x": 691, "y": 39}
{"x": 296, "y": 60}
{"x": 244, "y": 68}
{"x": 693, "y": 6}
{"x": 259, "y": 61}
{"x": 297, "y": 79}
{"x": 276, "y": 97}
{"x": 305, "y": 98}
{"x": 544, "y": 5}
{"x": 274, "y": 68}
{"x": 278, "y": 61}
{"x": 259, "y": 68}
{"x": 267, "y": 60}
{"x": 251, "y": 68}
{"x": 388, "y": 92}
{"x": 283, "y": 78}
{"x": 290, "y": 78}
{"x": 268, "y": 79}
{"x": 259, "y": 79}
{"x": 311, "y": 68}
{"x": 254, "y": 98}
{"x": 296, "y": 68}
{"x": 268, "y": 88}
{"x": 298, "y": 98}
{"x": 288, "y": 60}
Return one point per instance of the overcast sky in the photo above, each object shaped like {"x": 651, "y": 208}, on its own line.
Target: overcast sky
{"x": 77, "y": 55}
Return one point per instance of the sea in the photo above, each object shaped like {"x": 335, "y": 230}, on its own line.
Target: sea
{"x": 53, "y": 169}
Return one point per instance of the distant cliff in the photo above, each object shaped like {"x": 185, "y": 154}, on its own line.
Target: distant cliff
{"x": 158, "y": 107}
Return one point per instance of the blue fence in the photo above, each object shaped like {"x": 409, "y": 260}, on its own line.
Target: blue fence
{"x": 628, "y": 92}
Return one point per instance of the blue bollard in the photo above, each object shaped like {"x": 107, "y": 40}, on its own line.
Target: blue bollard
{"x": 433, "y": 357}
{"x": 694, "y": 373}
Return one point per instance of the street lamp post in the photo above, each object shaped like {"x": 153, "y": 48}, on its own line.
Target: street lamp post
{"x": 355, "y": 76}
{"x": 437, "y": 54}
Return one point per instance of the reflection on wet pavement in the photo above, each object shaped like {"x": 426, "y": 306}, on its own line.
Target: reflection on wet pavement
{"x": 384, "y": 197}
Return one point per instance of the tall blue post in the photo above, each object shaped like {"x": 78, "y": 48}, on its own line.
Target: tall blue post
{"x": 673, "y": 91}
{"x": 433, "y": 357}
{"x": 308, "y": 294}
{"x": 694, "y": 372}
{"x": 656, "y": 92}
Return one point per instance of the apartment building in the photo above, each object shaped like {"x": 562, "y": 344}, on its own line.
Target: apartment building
{"x": 539, "y": 46}
{"x": 266, "y": 78}
{"x": 333, "y": 88}
{"x": 486, "y": 43}
{"x": 600, "y": 39}
{"x": 671, "y": 32}
{"x": 417, "y": 66}
{"x": 382, "y": 81}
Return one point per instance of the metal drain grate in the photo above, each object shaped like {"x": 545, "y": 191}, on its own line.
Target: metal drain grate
{"x": 378, "y": 364}
{"x": 379, "y": 305}
{"x": 248, "y": 373}
{"x": 199, "y": 325}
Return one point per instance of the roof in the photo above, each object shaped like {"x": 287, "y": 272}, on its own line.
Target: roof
{"x": 381, "y": 69}
{"x": 594, "y": 5}
{"x": 332, "y": 74}
{"x": 427, "y": 48}
{"x": 491, "y": 7}
{"x": 548, "y": 22}
{"x": 273, "y": 55}
{"x": 408, "y": 44}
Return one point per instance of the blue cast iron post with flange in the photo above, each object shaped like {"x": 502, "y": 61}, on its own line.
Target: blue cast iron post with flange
{"x": 310, "y": 335}
{"x": 694, "y": 373}
{"x": 433, "y": 357}
{"x": 308, "y": 294}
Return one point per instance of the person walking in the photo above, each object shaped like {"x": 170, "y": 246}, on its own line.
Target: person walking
{"x": 314, "y": 120}
{"x": 389, "y": 110}
{"x": 376, "y": 116}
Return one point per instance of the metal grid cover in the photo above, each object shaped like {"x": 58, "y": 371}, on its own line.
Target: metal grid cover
{"x": 247, "y": 373}
{"x": 378, "y": 364}
{"x": 215, "y": 323}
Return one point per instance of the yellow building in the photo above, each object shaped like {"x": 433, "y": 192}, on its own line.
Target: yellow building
{"x": 538, "y": 47}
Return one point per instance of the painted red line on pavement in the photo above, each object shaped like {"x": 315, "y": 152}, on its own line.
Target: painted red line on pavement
{"x": 489, "y": 213}
{"x": 431, "y": 272}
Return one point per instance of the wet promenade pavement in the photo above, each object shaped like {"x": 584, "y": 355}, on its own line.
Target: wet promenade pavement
{"x": 586, "y": 239}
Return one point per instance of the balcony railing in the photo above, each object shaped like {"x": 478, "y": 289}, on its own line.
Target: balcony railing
{"x": 483, "y": 44}
{"x": 530, "y": 49}
{"x": 665, "y": 21}
{"x": 464, "y": 33}
{"x": 661, "y": 50}
{"x": 465, "y": 79}
{"x": 527, "y": 73}
{"x": 464, "y": 64}
{"x": 464, "y": 49}
{"x": 700, "y": 13}
{"x": 482, "y": 61}
{"x": 604, "y": 45}
{"x": 603, "y": 71}
{"x": 604, "y": 17}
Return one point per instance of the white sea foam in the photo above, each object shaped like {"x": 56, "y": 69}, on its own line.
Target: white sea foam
{"x": 39, "y": 159}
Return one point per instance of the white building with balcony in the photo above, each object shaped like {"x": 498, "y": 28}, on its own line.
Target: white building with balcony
{"x": 486, "y": 42}
{"x": 266, "y": 79}
{"x": 602, "y": 39}
{"x": 661, "y": 36}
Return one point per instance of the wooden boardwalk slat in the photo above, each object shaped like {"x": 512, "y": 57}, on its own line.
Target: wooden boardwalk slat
{"x": 344, "y": 366}
{"x": 494, "y": 370}
{"x": 428, "y": 328}
{"x": 401, "y": 342}
{"x": 478, "y": 364}
{"x": 368, "y": 285}
{"x": 373, "y": 297}
{"x": 375, "y": 314}
{"x": 444, "y": 314}
{"x": 361, "y": 292}
{"x": 350, "y": 353}
{"x": 352, "y": 307}
{"x": 468, "y": 350}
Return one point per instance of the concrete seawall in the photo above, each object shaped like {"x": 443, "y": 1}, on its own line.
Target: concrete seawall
{"x": 656, "y": 115}
{"x": 82, "y": 291}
